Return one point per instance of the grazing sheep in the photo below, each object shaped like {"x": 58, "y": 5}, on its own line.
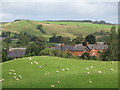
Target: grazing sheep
{"x": 29, "y": 58}
{"x": 99, "y": 72}
{"x": 14, "y": 77}
{"x": 63, "y": 69}
{"x": 112, "y": 62}
{"x": 14, "y": 73}
{"x": 0, "y": 80}
{"x": 40, "y": 66}
{"x": 58, "y": 82}
{"x": 13, "y": 70}
{"x": 52, "y": 85}
{"x": 57, "y": 71}
{"x": 87, "y": 68}
{"x": 17, "y": 79}
{"x": 67, "y": 69}
{"x": 90, "y": 81}
{"x": 36, "y": 62}
{"x": 45, "y": 73}
{"x": 10, "y": 73}
{"x": 31, "y": 62}
{"x": 111, "y": 69}
{"x": 88, "y": 72}
{"x": 20, "y": 76}
{"x": 91, "y": 66}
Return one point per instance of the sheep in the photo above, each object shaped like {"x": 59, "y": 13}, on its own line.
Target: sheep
{"x": 20, "y": 76}
{"x": 31, "y": 62}
{"x": 13, "y": 70}
{"x": 40, "y": 66}
{"x": 57, "y": 71}
{"x": 45, "y": 73}
{"x": 17, "y": 79}
{"x": 112, "y": 62}
{"x": 29, "y": 58}
{"x": 91, "y": 66}
{"x": 87, "y": 68}
{"x": 58, "y": 82}
{"x": 88, "y": 72}
{"x": 99, "y": 72}
{"x": 14, "y": 77}
{"x": 67, "y": 69}
{"x": 36, "y": 62}
{"x": 0, "y": 80}
{"x": 90, "y": 81}
{"x": 10, "y": 73}
{"x": 63, "y": 69}
{"x": 52, "y": 85}
{"x": 111, "y": 69}
{"x": 14, "y": 73}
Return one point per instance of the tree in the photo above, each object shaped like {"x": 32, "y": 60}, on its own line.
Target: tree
{"x": 90, "y": 39}
{"x": 7, "y": 40}
{"x": 79, "y": 39}
{"x": 41, "y": 29}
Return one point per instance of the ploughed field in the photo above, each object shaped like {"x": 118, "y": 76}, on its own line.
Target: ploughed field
{"x": 55, "y": 72}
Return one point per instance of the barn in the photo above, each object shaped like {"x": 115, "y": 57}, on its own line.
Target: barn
{"x": 16, "y": 52}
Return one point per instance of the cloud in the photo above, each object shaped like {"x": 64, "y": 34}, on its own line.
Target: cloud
{"x": 60, "y": 10}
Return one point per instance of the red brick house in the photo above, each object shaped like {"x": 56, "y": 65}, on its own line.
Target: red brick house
{"x": 79, "y": 49}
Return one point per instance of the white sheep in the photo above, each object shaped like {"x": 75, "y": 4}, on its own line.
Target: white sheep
{"x": 14, "y": 73}
{"x": 20, "y": 76}
{"x": 91, "y": 66}
{"x": 111, "y": 69}
{"x": 63, "y": 69}
{"x": 14, "y": 77}
{"x": 87, "y": 68}
{"x": 52, "y": 85}
{"x": 40, "y": 66}
{"x": 13, "y": 70}
{"x": 90, "y": 81}
{"x": 99, "y": 71}
{"x": 88, "y": 72}
{"x": 67, "y": 69}
{"x": 29, "y": 58}
{"x": 58, "y": 82}
{"x": 0, "y": 80}
{"x": 31, "y": 62}
{"x": 10, "y": 73}
{"x": 45, "y": 73}
{"x": 57, "y": 71}
{"x": 112, "y": 62}
{"x": 17, "y": 79}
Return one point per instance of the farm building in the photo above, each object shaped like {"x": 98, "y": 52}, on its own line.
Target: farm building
{"x": 79, "y": 49}
{"x": 16, "y": 52}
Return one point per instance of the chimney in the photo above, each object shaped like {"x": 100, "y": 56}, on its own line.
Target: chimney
{"x": 87, "y": 43}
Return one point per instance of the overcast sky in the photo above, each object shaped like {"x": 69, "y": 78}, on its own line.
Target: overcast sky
{"x": 56, "y": 10}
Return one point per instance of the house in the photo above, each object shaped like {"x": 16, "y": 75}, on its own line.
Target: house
{"x": 79, "y": 49}
{"x": 16, "y": 52}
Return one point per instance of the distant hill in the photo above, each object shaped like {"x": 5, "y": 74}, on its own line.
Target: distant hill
{"x": 67, "y": 29}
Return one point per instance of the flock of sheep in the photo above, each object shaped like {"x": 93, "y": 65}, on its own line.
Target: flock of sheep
{"x": 18, "y": 77}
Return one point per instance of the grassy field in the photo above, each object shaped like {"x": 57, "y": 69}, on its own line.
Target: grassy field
{"x": 70, "y": 29}
{"x": 75, "y": 77}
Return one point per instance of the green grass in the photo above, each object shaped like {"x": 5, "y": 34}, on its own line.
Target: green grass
{"x": 76, "y": 77}
{"x": 68, "y": 29}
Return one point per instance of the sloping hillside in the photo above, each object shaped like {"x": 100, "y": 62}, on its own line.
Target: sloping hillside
{"x": 44, "y": 71}
{"x": 70, "y": 29}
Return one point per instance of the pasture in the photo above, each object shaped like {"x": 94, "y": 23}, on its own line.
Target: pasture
{"x": 66, "y": 29}
{"x": 55, "y": 72}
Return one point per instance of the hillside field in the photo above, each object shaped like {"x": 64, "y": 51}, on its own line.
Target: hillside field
{"x": 67, "y": 29}
{"x": 34, "y": 76}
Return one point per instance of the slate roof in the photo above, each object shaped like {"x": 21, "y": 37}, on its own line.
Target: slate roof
{"x": 80, "y": 47}
{"x": 16, "y": 52}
